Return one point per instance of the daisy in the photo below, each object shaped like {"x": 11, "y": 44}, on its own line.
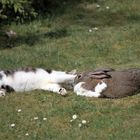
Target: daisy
{"x": 95, "y": 28}
{"x": 27, "y": 134}
{"x": 19, "y": 110}
{"x": 98, "y": 6}
{"x": 90, "y": 30}
{"x": 84, "y": 121}
{"x": 35, "y": 118}
{"x": 74, "y": 116}
{"x": 71, "y": 120}
{"x": 12, "y": 125}
{"x": 80, "y": 125}
{"x": 44, "y": 119}
{"x": 107, "y": 7}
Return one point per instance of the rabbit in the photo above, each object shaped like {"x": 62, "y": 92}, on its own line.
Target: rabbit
{"x": 108, "y": 83}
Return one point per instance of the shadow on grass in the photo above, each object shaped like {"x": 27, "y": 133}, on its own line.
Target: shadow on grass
{"x": 31, "y": 39}
{"x": 133, "y": 18}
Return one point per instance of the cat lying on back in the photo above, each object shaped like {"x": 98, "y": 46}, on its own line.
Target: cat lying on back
{"x": 32, "y": 79}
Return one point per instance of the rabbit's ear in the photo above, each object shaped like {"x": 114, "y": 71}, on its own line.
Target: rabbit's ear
{"x": 103, "y": 76}
{"x": 99, "y": 75}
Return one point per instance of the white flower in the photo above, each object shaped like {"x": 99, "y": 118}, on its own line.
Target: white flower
{"x": 74, "y": 116}
{"x": 35, "y": 118}
{"x": 80, "y": 125}
{"x": 90, "y": 30}
{"x": 84, "y": 121}
{"x": 95, "y": 28}
{"x": 12, "y": 125}
{"x": 19, "y": 110}
{"x": 27, "y": 134}
{"x": 98, "y": 6}
{"x": 44, "y": 119}
{"x": 107, "y": 7}
{"x": 71, "y": 120}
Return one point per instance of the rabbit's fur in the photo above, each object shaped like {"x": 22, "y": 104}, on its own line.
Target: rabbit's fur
{"x": 112, "y": 83}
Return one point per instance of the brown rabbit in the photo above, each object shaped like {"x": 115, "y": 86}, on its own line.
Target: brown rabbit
{"x": 108, "y": 83}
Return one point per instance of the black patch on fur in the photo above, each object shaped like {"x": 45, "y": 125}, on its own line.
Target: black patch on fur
{"x": 8, "y": 72}
{"x": 27, "y": 69}
{"x": 11, "y": 72}
{"x": 7, "y": 88}
{"x": 49, "y": 70}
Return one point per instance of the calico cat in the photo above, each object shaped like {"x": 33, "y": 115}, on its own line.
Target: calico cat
{"x": 33, "y": 79}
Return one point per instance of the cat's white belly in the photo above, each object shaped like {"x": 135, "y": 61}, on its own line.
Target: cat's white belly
{"x": 26, "y": 85}
{"x": 23, "y": 81}
{"x": 40, "y": 79}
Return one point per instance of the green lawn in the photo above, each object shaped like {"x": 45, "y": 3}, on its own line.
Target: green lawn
{"x": 66, "y": 41}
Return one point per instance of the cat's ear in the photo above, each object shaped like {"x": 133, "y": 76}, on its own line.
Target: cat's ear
{"x": 73, "y": 72}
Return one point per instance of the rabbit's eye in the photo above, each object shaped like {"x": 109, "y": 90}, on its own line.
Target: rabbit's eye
{"x": 79, "y": 76}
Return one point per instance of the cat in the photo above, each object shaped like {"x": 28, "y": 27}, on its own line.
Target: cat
{"x": 28, "y": 79}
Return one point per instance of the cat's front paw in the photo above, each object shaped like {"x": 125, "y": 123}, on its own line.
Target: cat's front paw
{"x": 62, "y": 91}
{"x": 2, "y": 92}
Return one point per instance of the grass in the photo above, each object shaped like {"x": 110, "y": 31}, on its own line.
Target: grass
{"x": 64, "y": 42}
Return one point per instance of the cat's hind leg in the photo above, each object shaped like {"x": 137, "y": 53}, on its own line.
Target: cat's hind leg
{"x": 54, "y": 88}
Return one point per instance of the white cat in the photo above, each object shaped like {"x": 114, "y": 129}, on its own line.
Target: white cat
{"x": 32, "y": 79}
